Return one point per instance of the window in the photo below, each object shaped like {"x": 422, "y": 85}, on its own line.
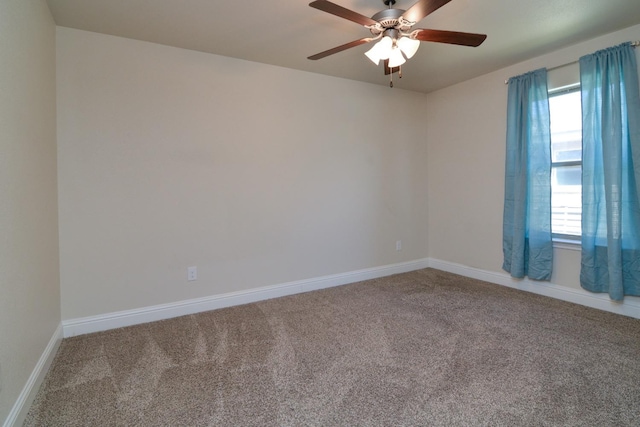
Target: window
{"x": 566, "y": 162}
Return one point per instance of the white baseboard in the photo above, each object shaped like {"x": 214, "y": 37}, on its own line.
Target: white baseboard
{"x": 85, "y": 325}
{"x": 20, "y": 409}
{"x": 629, "y": 307}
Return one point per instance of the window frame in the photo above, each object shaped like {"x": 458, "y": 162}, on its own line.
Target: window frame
{"x": 568, "y": 241}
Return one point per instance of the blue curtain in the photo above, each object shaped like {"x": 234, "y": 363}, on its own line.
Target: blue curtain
{"x": 610, "y": 172}
{"x": 526, "y": 241}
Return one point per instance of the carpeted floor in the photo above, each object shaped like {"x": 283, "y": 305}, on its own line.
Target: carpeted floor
{"x": 425, "y": 348}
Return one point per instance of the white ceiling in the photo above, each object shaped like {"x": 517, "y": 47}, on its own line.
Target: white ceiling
{"x": 286, "y": 32}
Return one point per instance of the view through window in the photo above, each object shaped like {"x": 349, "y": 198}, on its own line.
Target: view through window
{"x": 566, "y": 163}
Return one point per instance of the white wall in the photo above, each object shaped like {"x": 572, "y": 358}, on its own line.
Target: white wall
{"x": 466, "y": 135}
{"x": 29, "y": 278}
{"x": 256, "y": 174}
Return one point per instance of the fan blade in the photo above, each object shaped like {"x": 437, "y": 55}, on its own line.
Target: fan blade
{"x": 339, "y": 48}
{"x": 334, "y": 9}
{"x": 423, "y": 8}
{"x": 451, "y": 37}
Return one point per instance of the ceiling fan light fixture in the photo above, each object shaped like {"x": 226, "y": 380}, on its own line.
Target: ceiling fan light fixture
{"x": 381, "y": 50}
{"x": 373, "y": 54}
{"x": 392, "y": 30}
{"x": 408, "y": 46}
{"x": 396, "y": 59}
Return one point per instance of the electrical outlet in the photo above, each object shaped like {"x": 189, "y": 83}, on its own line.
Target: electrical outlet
{"x": 398, "y": 245}
{"x": 192, "y": 273}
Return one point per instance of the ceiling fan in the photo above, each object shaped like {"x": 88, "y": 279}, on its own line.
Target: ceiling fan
{"x": 398, "y": 41}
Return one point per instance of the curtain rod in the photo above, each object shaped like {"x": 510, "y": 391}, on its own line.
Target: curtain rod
{"x": 634, "y": 44}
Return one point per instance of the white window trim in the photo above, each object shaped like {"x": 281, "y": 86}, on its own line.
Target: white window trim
{"x": 563, "y": 89}
{"x": 563, "y": 241}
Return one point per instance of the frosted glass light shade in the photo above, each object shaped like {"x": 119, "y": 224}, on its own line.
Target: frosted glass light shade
{"x": 396, "y": 59}
{"x": 380, "y": 50}
{"x": 408, "y": 46}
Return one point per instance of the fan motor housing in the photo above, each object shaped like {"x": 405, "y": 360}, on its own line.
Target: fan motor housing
{"x": 389, "y": 18}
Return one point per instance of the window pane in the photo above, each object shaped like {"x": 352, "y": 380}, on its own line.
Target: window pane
{"x": 566, "y": 199}
{"x": 566, "y": 127}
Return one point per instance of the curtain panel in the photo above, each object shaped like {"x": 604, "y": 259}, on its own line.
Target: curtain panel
{"x": 610, "y": 172}
{"x": 526, "y": 244}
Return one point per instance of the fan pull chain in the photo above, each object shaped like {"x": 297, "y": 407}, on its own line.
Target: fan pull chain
{"x": 391, "y": 75}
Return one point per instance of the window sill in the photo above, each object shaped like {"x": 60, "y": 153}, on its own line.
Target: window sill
{"x": 568, "y": 244}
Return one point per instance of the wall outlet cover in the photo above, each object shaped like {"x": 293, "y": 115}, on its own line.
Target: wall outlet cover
{"x": 192, "y": 273}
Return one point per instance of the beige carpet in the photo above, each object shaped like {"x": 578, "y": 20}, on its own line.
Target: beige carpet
{"x": 425, "y": 348}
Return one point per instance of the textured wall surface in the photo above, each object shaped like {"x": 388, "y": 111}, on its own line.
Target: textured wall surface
{"x": 29, "y": 278}
{"x": 257, "y": 175}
